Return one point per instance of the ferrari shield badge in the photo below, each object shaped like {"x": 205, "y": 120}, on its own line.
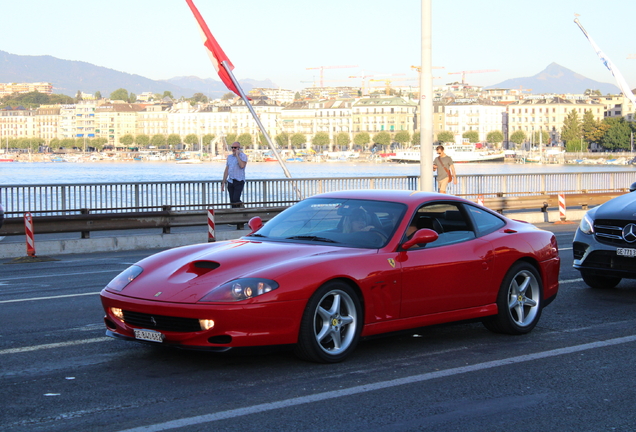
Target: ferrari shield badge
{"x": 391, "y": 262}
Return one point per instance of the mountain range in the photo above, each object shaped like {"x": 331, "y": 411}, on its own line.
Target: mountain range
{"x": 68, "y": 76}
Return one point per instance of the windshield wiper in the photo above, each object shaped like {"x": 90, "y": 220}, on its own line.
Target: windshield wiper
{"x": 312, "y": 238}
{"x": 257, "y": 235}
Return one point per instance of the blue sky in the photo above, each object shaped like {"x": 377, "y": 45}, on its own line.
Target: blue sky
{"x": 279, "y": 39}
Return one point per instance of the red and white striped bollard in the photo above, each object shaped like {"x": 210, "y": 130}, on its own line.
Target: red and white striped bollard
{"x": 480, "y": 200}
{"x": 562, "y": 215}
{"x": 211, "y": 237}
{"x": 28, "y": 230}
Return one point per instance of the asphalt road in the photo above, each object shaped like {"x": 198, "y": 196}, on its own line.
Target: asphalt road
{"x": 58, "y": 372}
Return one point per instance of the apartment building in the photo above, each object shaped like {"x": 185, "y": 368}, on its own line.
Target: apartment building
{"x": 17, "y": 122}
{"x": 536, "y": 113}
{"x": 473, "y": 114}
{"x": 10, "y": 88}
{"x": 390, "y": 114}
{"x": 114, "y": 121}
{"x": 47, "y": 119}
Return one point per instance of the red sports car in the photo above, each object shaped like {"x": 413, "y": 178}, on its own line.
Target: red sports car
{"x": 337, "y": 267}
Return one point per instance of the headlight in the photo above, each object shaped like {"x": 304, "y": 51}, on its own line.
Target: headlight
{"x": 587, "y": 225}
{"x": 124, "y": 278}
{"x": 240, "y": 289}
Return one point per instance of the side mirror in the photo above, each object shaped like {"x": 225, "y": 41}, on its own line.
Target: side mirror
{"x": 632, "y": 188}
{"x": 255, "y": 224}
{"x": 424, "y": 235}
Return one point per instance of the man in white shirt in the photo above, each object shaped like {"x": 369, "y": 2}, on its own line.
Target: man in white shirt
{"x": 234, "y": 174}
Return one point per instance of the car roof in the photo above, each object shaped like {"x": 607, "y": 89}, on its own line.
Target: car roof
{"x": 400, "y": 196}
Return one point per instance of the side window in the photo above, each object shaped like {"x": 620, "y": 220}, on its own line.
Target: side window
{"x": 485, "y": 222}
{"x": 447, "y": 219}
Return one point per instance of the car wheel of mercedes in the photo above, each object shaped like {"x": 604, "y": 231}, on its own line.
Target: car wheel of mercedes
{"x": 596, "y": 281}
{"x": 331, "y": 324}
{"x": 518, "y": 301}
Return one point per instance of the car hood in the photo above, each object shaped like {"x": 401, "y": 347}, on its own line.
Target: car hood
{"x": 185, "y": 275}
{"x": 622, "y": 207}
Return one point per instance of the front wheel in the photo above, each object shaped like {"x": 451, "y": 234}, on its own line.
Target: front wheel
{"x": 331, "y": 324}
{"x": 518, "y": 301}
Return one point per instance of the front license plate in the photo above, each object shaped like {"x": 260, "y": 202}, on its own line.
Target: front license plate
{"x": 148, "y": 335}
{"x": 626, "y": 252}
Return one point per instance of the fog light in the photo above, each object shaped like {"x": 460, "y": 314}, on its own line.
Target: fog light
{"x": 206, "y": 324}
{"x": 118, "y": 313}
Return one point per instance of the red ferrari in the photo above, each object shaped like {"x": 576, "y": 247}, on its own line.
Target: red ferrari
{"x": 335, "y": 268}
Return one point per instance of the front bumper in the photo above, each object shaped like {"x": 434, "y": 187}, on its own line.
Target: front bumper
{"x": 596, "y": 258}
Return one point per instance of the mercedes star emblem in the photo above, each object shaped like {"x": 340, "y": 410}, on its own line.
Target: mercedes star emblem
{"x": 629, "y": 233}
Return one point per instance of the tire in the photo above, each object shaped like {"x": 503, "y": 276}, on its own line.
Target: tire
{"x": 331, "y": 324}
{"x": 600, "y": 282}
{"x": 519, "y": 301}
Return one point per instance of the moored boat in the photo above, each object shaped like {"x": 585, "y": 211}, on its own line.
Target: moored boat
{"x": 460, "y": 153}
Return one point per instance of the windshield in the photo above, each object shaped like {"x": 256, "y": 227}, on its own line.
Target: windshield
{"x": 338, "y": 222}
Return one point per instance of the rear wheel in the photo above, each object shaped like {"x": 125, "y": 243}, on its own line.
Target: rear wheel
{"x": 331, "y": 324}
{"x": 596, "y": 281}
{"x": 518, "y": 301}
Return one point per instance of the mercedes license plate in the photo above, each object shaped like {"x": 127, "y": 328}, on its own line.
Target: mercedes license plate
{"x": 626, "y": 252}
{"x": 148, "y": 335}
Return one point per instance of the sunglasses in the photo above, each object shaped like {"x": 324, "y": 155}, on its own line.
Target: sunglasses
{"x": 234, "y": 148}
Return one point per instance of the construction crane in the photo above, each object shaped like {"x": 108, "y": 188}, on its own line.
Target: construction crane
{"x": 388, "y": 82}
{"x": 363, "y": 86}
{"x": 419, "y": 68}
{"x": 471, "y": 72}
{"x": 322, "y": 68}
{"x": 314, "y": 82}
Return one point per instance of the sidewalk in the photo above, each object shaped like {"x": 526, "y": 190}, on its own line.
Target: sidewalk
{"x": 15, "y": 246}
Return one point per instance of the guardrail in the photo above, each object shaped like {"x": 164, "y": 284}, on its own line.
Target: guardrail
{"x": 167, "y": 217}
{"x": 68, "y": 199}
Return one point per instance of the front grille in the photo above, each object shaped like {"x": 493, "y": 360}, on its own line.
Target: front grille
{"x": 579, "y": 249}
{"x": 161, "y": 322}
{"x": 610, "y": 232}
{"x": 608, "y": 260}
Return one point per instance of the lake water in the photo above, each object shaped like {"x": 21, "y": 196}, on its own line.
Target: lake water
{"x": 19, "y": 173}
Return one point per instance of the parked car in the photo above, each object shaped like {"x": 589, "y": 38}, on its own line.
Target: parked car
{"x": 1, "y": 215}
{"x": 604, "y": 245}
{"x": 337, "y": 267}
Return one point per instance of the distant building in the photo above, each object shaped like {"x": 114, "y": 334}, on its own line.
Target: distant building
{"x": 10, "y": 88}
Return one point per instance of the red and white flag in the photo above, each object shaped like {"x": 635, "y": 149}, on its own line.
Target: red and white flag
{"x": 214, "y": 50}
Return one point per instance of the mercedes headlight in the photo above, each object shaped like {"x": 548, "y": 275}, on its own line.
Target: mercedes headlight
{"x": 587, "y": 225}
{"x": 240, "y": 289}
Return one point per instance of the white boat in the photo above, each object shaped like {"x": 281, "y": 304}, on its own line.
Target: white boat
{"x": 189, "y": 161}
{"x": 460, "y": 153}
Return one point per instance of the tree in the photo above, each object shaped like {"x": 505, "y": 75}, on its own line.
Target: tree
{"x": 119, "y": 94}
{"x": 541, "y": 137}
{"x": 98, "y": 95}
{"x": 617, "y": 136}
{"x": 571, "y": 131}
{"x": 416, "y": 138}
{"x": 198, "y": 97}
{"x": 589, "y": 126}
{"x": 382, "y": 138}
{"x": 245, "y": 139}
{"x": 78, "y": 96}
{"x": 98, "y": 143}
{"x": 230, "y": 138}
{"x": 320, "y": 139}
{"x": 445, "y": 136}
{"x": 282, "y": 139}
{"x": 297, "y": 96}
{"x": 167, "y": 93}
{"x": 142, "y": 140}
{"x": 343, "y": 139}
{"x": 298, "y": 140}
{"x": 471, "y": 135}
{"x": 191, "y": 139}
{"x": 207, "y": 141}
{"x": 518, "y": 137}
{"x": 132, "y": 98}
{"x": 127, "y": 140}
{"x": 495, "y": 137}
{"x": 158, "y": 140}
{"x": 173, "y": 140}
{"x": 402, "y": 137}
{"x": 361, "y": 139}
{"x": 228, "y": 96}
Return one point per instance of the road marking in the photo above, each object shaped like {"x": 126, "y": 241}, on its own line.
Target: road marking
{"x": 47, "y": 298}
{"x": 565, "y": 249}
{"x": 84, "y": 273}
{"x": 53, "y": 345}
{"x": 254, "y": 409}
{"x": 566, "y": 281}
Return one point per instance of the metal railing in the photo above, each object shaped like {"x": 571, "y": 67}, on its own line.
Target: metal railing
{"x": 68, "y": 199}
